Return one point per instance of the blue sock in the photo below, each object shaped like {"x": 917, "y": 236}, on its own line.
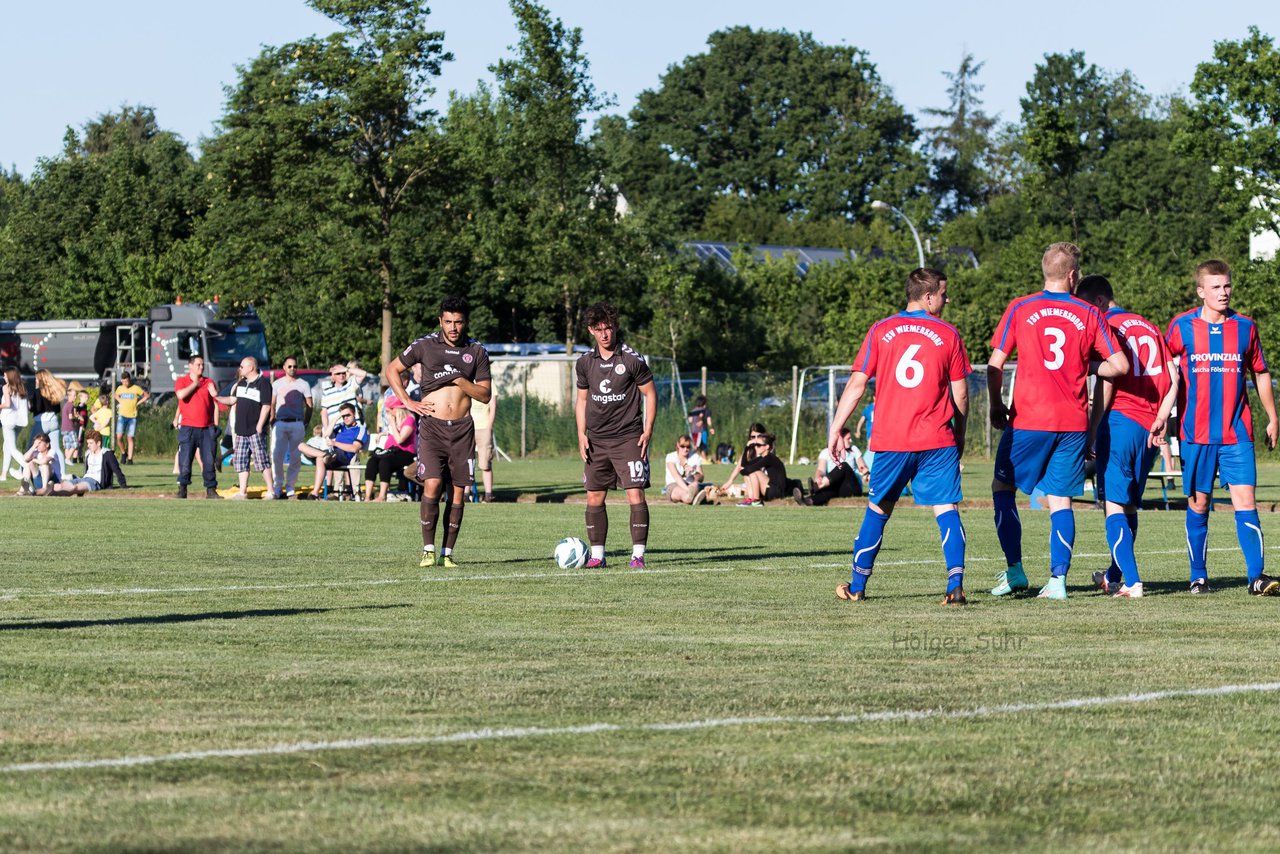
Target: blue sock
{"x": 1008, "y": 527}
{"x": 866, "y": 547}
{"x": 953, "y": 541}
{"x": 1197, "y": 541}
{"x": 1120, "y": 541}
{"x": 1249, "y": 533}
{"x": 1062, "y": 540}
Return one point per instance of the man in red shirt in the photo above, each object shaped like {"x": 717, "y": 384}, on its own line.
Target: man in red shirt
{"x": 1056, "y": 336}
{"x": 922, "y": 374}
{"x": 197, "y": 413}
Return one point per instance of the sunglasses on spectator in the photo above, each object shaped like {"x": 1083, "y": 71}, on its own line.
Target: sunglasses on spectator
{"x": 291, "y": 367}
{"x": 337, "y": 373}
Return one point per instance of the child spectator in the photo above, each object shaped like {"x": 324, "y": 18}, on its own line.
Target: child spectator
{"x": 40, "y": 467}
{"x": 700, "y": 426}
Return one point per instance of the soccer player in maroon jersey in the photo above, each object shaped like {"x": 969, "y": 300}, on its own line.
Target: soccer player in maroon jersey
{"x": 613, "y": 433}
{"x": 1130, "y": 416}
{"x": 1217, "y": 348}
{"x": 455, "y": 371}
{"x": 1055, "y": 336}
{"x": 922, "y": 398}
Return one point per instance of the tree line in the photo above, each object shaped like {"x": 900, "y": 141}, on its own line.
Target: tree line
{"x": 338, "y": 204}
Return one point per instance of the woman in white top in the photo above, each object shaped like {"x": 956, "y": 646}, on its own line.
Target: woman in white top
{"x": 13, "y": 417}
{"x": 684, "y": 474}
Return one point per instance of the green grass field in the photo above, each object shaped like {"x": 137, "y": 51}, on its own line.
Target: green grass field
{"x": 249, "y": 676}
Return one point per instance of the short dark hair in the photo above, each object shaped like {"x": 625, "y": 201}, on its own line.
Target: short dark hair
{"x": 94, "y": 435}
{"x": 1212, "y": 267}
{"x": 757, "y": 427}
{"x": 347, "y": 406}
{"x": 125, "y": 375}
{"x": 923, "y": 281}
{"x": 455, "y": 304}
{"x": 1093, "y": 286}
{"x": 602, "y": 312}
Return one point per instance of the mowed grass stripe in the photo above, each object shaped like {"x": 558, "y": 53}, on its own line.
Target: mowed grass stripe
{"x": 892, "y": 715}
{"x": 14, "y": 594}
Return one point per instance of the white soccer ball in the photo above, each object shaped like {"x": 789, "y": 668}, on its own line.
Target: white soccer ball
{"x": 571, "y": 553}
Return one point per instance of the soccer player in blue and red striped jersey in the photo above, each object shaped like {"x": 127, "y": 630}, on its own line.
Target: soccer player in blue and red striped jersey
{"x": 1130, "y": 418}
{"x": 1056, "y": 336}
{"x": 1217, "y": 348}
{"x": 923, "y": 396}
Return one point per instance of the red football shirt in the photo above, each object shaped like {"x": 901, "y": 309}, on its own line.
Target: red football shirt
{"x": 197, "y": 410}
{"x": 1139, "y": 392}
{"x": 1054, "y": 335}
{"x": 915, "y": 357}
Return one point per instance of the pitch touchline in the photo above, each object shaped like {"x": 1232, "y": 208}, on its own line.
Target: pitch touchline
{"x": 516, "y": 576}
{"x": 670, "y": 726}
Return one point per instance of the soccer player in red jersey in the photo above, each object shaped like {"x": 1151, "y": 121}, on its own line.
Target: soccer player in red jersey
{"x": 1055, "y": 336}
{"x": 921, "y": 369}
{"x": 1131, "y": 414}
{"x": 1217, "y": 348}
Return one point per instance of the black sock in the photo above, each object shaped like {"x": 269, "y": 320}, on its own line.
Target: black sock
{"x": 430, "y": 513}
{"x": 639, "y": 524}
{"x": 597, "y": 525}
{"x": 454, "y": 525}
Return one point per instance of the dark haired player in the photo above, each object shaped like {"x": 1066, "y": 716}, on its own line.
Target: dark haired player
{"x": 1056, "y": 336}
{"x": 455, "y": 371}
{"x": 613, "y": 435}
{"x": 922, "y": 374}
{"x": 1217, "y": 348}
{"x": 1131, "y": 414}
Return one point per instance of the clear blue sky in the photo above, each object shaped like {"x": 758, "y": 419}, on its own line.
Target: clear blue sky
{"x": 64, "y": 64}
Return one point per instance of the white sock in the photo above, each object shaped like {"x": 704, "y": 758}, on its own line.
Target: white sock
{"x": 444, "y": 552}
{"x": 637, "y": 551}
{"x": 429, "y": 548}
{"x": 597, "y": 552}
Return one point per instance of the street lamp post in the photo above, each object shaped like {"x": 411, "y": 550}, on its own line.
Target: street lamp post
{"x": 880, "y": 207}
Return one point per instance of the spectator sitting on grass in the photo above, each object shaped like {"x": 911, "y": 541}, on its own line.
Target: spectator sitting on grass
{"x": 40, "y": 467}
{"x": 100, "y": 468}
{"x": 836, "y": 480}
{"x": 764, "y": 477}
{"x": 346, "y": 439}
{"x": 684, "y": 474}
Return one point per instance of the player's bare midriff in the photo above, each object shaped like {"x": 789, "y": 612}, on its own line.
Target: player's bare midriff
{"x": 449, "y": 403}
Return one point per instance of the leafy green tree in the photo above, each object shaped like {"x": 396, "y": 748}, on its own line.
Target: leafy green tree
{"x": 542, "y": 226}
{"x": 1235, "y": 124}
{"x": 961, "y": 143}
{"x": 778, "y": 120}
{"x": 331, "y": 134}
{"x": 95, "y": 231}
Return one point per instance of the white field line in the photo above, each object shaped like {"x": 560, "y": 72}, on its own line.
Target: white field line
{"x": 60, "y": 593}
{"x": 512, "y": 733}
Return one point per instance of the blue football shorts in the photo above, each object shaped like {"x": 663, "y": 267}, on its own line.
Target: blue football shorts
{"x": 1042, "y": 459}
{"x": 934, "y": 476}
{"x": 1233, "y": 464}
{"x": 1124, "y": 459}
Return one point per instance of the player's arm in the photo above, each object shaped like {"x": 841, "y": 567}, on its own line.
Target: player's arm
{"x": 999, "y": 413}
{"x": 481, "y": 391}
{"x": 650, "y": 393}
{"x": 1267, "y": 397}
{"x": 1160, "y": 426}
{"x": 1104, "y": 394}
{"x": 849, "y": 400}
{"x": 960, "y": 401}
{"x": 1115, "y": 365}
{"x": 580, "y": 415}
{"x": 391, "y": 376}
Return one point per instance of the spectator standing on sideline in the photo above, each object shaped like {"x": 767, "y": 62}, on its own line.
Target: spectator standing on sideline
{"x": 1056, "y": 337}
{"x": 197, "y": 411}
{"x": 81, "y": 415}
{"x": 291, "y": 407}
{"x": 684, "y": 483}
{"x": 100, "y": 415}
{"x": 1129, "y": 420}
{"x": 700, "y": 426}
{"x": 484, "y": 414}
{"x": 128, "y": 398}
{"x": 46, "y": 410}
{"x": 14, "y": 414}
{"x": 921, "y": 370}
{"x": 250, "y": 402}
{"x": 1218, "y": 348}
{"x": 613, "y": 434}
{"x": 455, "y": 372}
{"x": 339, "y": 391}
